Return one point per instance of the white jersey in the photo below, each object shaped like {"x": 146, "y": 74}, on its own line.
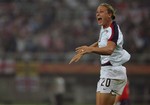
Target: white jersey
{"x": 119, "y": 56}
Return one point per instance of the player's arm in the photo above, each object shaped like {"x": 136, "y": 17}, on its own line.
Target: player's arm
{"x": 107, "y": 50}
{"x": 80, "y": 53}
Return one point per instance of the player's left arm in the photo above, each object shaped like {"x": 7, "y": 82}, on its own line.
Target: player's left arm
{"x": 107, "y": 50}
{"x": 80, "y": 53}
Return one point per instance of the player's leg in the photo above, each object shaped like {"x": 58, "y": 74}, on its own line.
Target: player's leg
{"x": 97, "y": 98}
{"x": 117, "y": 100}
{"x": 107, "y": 89}
{"x": 105, "y": 98}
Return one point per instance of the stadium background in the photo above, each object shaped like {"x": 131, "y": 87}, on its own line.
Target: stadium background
{"x": 38, "y": 38}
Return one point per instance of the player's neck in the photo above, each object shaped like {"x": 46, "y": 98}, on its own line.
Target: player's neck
{"x": 107, "y": 24}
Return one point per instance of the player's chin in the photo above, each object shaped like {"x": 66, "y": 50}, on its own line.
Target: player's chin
{"x": 99, "y": 23}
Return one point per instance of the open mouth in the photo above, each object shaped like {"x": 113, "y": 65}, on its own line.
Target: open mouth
{"x": 99, "y": 19}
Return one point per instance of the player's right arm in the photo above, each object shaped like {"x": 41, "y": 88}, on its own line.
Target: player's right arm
{"x": 80, "y": 53}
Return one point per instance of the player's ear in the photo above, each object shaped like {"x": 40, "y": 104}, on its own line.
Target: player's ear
{"x": 110, "y": 15}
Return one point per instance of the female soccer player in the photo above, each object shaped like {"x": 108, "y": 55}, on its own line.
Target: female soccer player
{"x": 109, "y": 46}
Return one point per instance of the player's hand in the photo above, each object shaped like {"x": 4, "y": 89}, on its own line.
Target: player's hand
{"x": 84, "y": 49}
{"x": 76, "y": 58}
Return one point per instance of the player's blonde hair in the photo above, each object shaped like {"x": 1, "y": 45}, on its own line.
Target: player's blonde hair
{"x": 110, "y": 9}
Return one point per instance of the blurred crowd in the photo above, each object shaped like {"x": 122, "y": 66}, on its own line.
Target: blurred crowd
{"x": 59, "y": 26}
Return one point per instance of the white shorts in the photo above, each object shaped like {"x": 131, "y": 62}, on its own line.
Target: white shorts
{"x": 113, "y": 86}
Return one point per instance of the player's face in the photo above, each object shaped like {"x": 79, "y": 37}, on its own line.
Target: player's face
{"x": 102, "y": 15}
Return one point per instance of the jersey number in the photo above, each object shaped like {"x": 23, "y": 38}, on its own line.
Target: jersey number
{"x": 105, "y": 82}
